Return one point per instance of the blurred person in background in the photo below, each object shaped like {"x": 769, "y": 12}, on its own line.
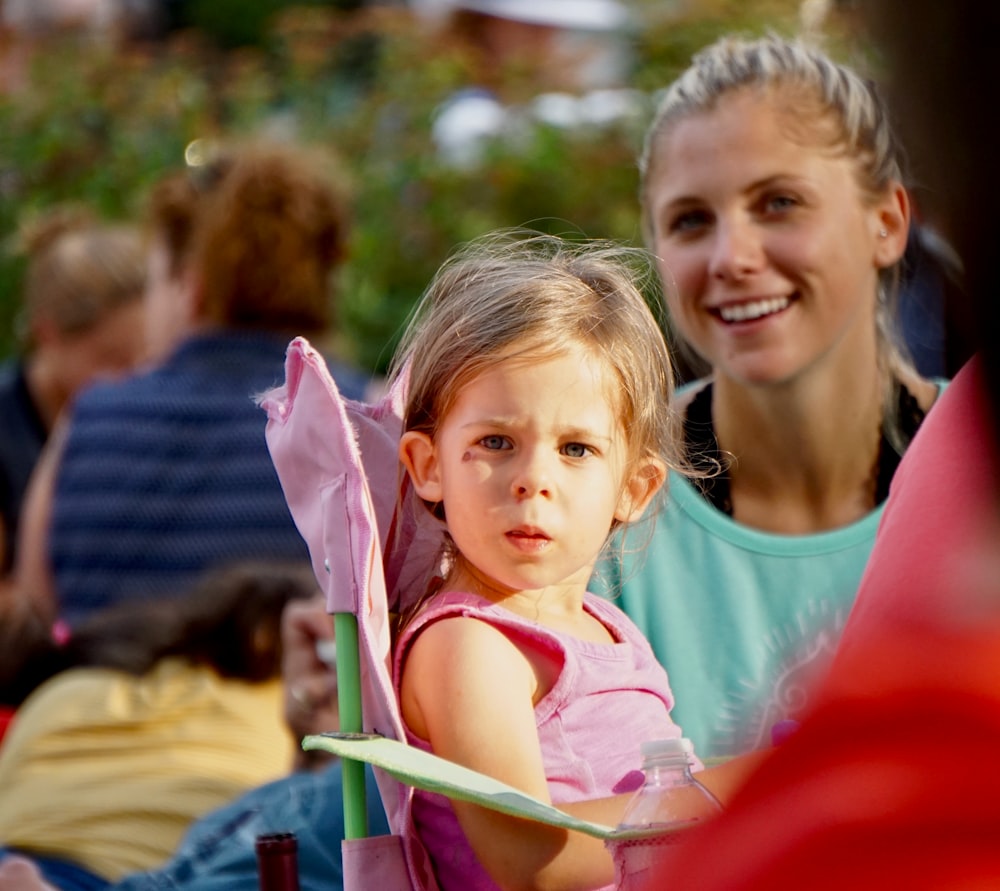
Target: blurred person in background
{"x": 164, "y": 475}
{"x": 82, "y": 305}
{"x": 217, "y": 852}
{"x": 147, "y": 718}
{"x": 556, "y": 62}
{"x": 931, "y": 303}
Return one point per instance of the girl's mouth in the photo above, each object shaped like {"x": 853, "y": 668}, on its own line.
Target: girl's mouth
{"x": 528, "y": 538}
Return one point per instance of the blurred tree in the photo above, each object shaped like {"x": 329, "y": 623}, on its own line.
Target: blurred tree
{"x": 230, "y": 24}
{"x": 98, "y": 122}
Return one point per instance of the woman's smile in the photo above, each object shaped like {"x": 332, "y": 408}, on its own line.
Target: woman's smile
{"x": 751, "y": 310}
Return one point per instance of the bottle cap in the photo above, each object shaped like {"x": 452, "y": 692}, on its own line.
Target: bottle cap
{"x": 659, "y": 748}
{"x": 276, "y": 843}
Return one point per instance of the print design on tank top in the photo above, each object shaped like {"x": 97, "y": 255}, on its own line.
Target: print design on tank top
{"x": 799, "y": 651}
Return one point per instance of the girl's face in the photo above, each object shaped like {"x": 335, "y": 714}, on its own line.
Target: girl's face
{"x": 769, "y": 249}
{"x": 531, "y": 466}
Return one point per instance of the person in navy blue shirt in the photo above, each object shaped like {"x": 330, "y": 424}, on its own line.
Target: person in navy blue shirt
{"x": 167, "y": 474}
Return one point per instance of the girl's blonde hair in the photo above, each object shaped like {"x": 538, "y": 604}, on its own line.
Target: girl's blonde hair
{"x": 518, "y": 293}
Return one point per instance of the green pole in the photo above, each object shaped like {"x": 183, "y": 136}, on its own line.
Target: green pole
{"x": 349, "y": 698}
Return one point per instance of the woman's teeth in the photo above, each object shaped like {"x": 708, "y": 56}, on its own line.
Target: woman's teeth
{"x": 755, "y": 309}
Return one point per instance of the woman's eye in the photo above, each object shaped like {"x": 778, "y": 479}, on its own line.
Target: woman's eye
{"x": 778, "y": 203}
{"x": 576, "y": 450}
{"x": 495, "y": 442}
{"x": 687, "y": 222}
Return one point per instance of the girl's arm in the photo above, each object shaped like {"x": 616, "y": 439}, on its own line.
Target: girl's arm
{"x": 470, "y": 692}
{"x": 722, "y": 780}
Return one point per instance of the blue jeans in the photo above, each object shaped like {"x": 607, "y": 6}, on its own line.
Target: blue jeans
{"x": 218, "y": 853}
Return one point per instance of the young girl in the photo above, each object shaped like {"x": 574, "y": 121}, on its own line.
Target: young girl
{"x": 773, "y": 201}
{"x": 539, "y": 419}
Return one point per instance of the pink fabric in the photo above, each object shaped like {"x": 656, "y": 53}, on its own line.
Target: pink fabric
{"x": 372, "y": 544}
{"x": 375, "y": 862}
{"x": 940, "y": 502}
{"x": 607, "y": 700}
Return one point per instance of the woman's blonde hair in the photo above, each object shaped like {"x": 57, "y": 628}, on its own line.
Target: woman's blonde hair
{"x": 833, "y": 104}
{"x": 518, "y": 293}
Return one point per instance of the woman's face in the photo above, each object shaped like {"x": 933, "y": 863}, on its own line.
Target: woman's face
{"x": 768, "y": 247}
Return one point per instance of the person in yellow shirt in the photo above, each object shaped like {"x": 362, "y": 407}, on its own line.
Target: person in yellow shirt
{"x": 155, "y": 714}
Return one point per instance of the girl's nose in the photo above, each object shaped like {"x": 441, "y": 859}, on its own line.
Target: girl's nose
{"x": 532, "y": 477}
{"x": 736, "y": 251}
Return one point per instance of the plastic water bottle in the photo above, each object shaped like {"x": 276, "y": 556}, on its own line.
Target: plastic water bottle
{"x": 278, "y": 861}
{"x": 662, "y": 799}
{"x": 670, "y": 802}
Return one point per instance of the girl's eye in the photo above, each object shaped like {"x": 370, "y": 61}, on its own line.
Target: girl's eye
{"x": 495, "y": 442}
{"x": 576, "y": 450}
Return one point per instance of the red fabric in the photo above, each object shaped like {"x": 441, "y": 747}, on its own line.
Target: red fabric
{"x": 892, "y": 782}
{"x": 893, "y": 779}
{"x": 6, "y": 718}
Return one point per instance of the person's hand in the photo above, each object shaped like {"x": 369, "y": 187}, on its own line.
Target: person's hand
{"x": 20, "y": 874}
{"x": 309, "y": 677}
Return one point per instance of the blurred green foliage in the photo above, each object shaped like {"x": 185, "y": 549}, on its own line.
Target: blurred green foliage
{"x": 98, "y": 124}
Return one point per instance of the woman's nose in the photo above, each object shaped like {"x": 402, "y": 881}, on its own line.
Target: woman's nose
{"x": 736, "y": 251}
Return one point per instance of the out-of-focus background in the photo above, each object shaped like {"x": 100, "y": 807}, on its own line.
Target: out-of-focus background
{"x": 451, "y": 118}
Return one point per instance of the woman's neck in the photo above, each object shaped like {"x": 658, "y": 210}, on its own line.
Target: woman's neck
{"x": 806, "y": 456}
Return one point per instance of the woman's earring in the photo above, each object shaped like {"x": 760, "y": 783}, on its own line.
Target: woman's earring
{"x": 882, "y": 233}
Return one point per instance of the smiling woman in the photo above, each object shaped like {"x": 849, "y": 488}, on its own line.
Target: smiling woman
{"x": 774, "y": 203}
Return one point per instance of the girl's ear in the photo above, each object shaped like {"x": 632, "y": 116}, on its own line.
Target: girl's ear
{"x": 643, "y": 483}
{"x": 892, "y": 214}
{"x": 419, "y": 457}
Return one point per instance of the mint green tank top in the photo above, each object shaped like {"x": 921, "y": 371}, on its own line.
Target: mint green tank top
{"x": 741, "y": 619}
